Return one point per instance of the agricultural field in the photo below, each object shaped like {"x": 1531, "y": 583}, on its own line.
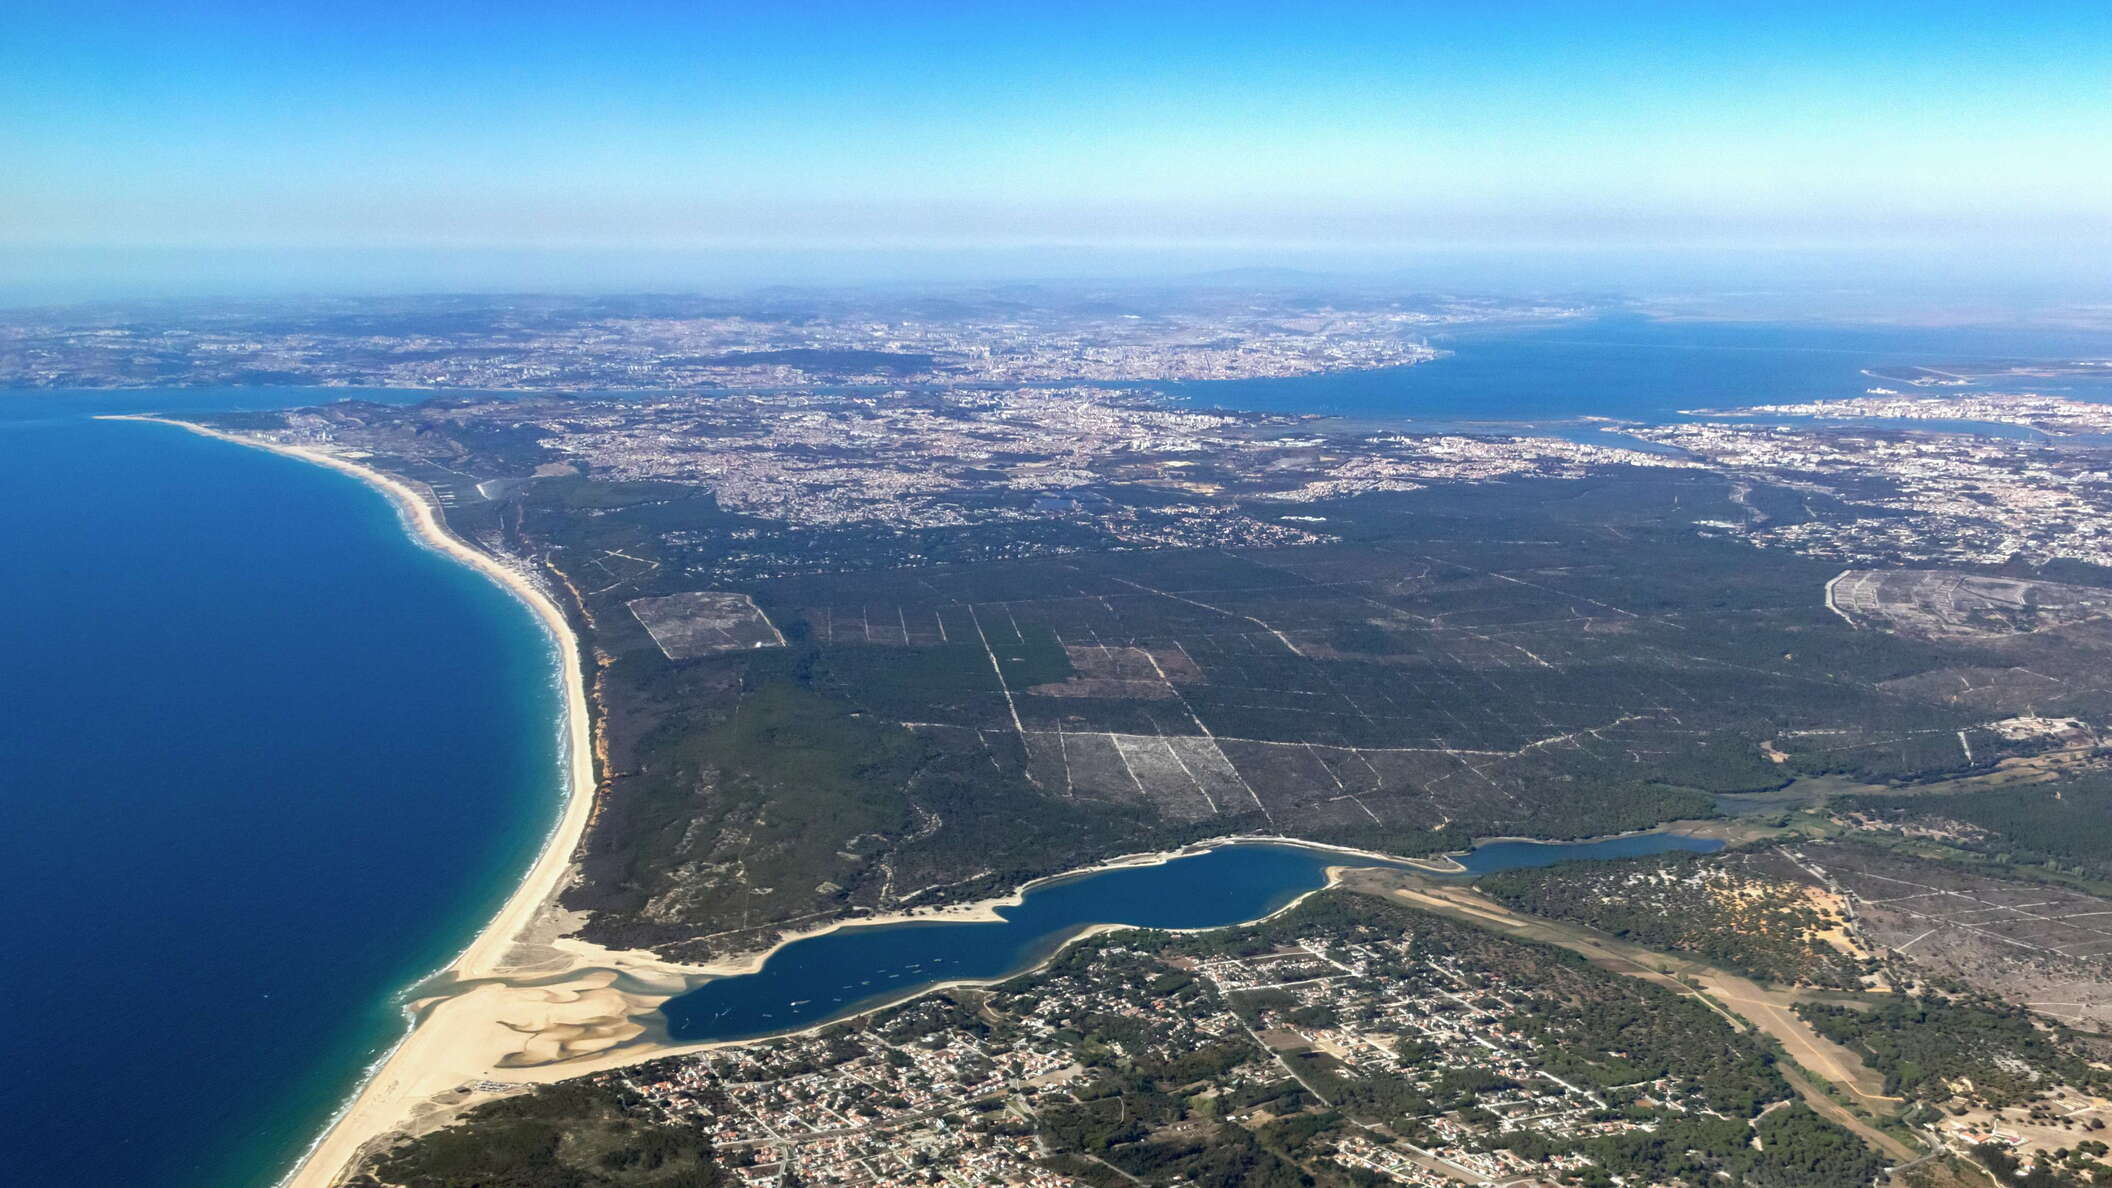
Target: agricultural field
{"x": 701, "y": 623}
{"x": 872, "y": 653}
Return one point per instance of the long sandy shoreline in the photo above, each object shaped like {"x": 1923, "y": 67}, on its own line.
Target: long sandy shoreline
{"x": 485, "y": 955}
{"x": 406, "y": 1077}
{"x": 523, "y": 1003}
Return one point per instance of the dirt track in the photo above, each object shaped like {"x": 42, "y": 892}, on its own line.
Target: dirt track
{"x": 1744, "y": 1003}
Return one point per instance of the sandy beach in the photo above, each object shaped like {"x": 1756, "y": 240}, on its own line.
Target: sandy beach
{"x": 517, "y": 996}
{"x": 527, "y": 1003}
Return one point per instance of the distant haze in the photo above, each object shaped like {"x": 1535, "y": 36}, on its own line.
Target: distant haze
{"x": 209, "y": 147}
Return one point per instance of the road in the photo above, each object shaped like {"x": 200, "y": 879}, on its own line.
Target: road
{"x": 1745, "y": 1004}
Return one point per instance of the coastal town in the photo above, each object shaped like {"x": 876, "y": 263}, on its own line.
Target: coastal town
{"x": 1348, "y": 1042}
{"x": 1889, "y": 496}
{"x": 2053, "y": 415}
{"x": 1091, "y": 595}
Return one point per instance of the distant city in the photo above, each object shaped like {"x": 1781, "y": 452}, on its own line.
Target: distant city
{"x": 891, "y": 607}
{"x": 1084, "y": 595}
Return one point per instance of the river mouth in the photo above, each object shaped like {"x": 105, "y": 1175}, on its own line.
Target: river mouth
{"x": 862, "y": 967}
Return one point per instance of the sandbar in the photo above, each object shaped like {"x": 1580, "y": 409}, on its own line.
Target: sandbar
{"x": 525, "y": 1003}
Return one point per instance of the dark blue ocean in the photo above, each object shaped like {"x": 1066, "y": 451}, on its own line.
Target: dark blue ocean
{"x": 266, "y": 763}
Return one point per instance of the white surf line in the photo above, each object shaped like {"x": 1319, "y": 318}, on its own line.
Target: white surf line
{"x": 377, "y": 1107}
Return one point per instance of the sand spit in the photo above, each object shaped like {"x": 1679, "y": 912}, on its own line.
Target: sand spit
{"x": 517, "y": 997}
{"x": 526, "y": 1003}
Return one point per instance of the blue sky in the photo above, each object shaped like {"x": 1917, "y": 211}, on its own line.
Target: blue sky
{"x": 164, "y": 131}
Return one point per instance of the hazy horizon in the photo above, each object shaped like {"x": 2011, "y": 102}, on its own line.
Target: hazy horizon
{"x": 214, "y": 149}
{"x": 1901, "y": 286}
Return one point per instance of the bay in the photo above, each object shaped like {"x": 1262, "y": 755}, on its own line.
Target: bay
{"x": 1644, "y": 369}
{"x": 268, "y": 762}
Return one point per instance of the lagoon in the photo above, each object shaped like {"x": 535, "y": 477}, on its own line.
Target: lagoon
{"x": 271, "y": 762}
{"x": 858, "y": 968}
